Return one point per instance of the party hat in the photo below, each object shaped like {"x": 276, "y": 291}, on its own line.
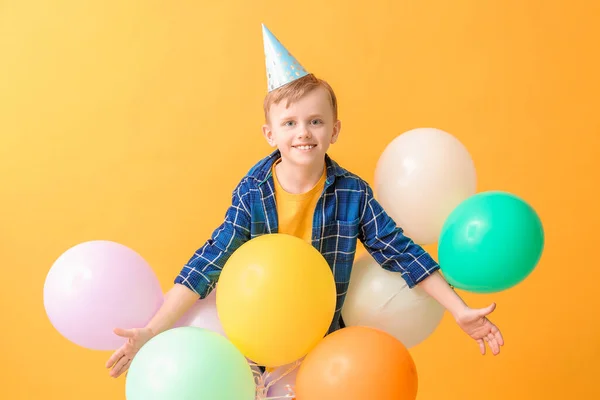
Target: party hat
{"x": 282, "y": 67}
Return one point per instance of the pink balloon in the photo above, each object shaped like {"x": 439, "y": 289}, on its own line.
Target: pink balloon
{"x": 203, "y": 314}
{"x": 97, "y": 286}
{"x": 284, "y": 384}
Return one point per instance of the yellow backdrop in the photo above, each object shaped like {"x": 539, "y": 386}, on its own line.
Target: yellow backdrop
{"x": 132, "y": 121}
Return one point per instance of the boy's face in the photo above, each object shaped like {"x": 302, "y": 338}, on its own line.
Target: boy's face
{"x": 304, "y": 131}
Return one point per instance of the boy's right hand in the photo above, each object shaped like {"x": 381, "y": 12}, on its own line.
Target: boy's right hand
{"x": 121, "y": 358}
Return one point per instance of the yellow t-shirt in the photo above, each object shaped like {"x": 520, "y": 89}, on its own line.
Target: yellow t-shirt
{"x": 295, "y": 211}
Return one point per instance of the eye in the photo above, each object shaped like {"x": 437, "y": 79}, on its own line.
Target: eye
{"x": 289, "y": 123}
{"x": 316, "y": 122}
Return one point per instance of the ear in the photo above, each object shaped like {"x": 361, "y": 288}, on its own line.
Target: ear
{"x": 268, "y": 134}
{"x": 337, "y": 127}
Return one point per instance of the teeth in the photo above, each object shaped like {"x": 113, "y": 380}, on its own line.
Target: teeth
{"x": 305, "y": 147}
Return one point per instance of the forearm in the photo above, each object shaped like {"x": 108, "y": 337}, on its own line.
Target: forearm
{"x": 436, "y": 286}
{"x": 177, "y": 301}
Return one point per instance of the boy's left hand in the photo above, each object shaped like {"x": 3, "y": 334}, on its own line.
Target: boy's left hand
{"x": 475, "y": 323}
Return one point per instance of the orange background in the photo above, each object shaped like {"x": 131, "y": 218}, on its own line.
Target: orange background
{"x": 132, "y": 121}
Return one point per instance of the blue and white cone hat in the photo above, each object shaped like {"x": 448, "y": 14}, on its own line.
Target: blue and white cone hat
{"x": 282, "y": 67}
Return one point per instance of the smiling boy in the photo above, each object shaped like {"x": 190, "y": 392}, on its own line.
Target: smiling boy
{"x": 299, "y": 190}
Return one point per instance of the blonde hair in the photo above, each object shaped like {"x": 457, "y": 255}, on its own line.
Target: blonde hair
{"x": 295, "y": 90}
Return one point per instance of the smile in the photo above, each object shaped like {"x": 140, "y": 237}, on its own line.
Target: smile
{"x": 305, "y": 147}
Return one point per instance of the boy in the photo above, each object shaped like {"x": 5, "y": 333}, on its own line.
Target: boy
{"x": 300, "y": 191}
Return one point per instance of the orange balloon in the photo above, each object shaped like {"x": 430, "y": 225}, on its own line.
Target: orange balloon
{"x": 358, "y": 363}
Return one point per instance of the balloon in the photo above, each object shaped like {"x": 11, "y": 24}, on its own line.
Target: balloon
{"x": 97, "y": 286}
{"x": 203, "y": 314}
{"x": 421, "y": 176}
{"x": 276, "y": 298}
{"x": 357, "y": 363}
{"x": 381, "y": 299}
{"x": 282, "y": 380}
{"x": 189, "y": 363}
{"x": 491, "y": 242}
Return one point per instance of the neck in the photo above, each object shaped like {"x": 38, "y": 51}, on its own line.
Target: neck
{"x": 297, "y": 179}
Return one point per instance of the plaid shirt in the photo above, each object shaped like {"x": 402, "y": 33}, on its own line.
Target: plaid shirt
{"x": 346, "y": 212}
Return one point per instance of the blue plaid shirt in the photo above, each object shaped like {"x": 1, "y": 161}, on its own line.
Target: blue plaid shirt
{"x": 346, "y": 212}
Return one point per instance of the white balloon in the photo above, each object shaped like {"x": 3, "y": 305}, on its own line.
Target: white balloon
{"x": 203, "y": 314}
{"x": 381, "y": 299}
{"x": 420, "y": 177}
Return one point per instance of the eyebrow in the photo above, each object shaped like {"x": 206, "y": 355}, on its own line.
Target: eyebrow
{"x": 292, "y": 116}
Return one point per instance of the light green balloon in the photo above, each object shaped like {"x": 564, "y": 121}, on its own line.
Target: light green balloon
{"x": 189, "y": 363}
{"x": 490, "y": 242}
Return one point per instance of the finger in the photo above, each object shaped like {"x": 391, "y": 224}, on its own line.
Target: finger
{"x": 487, "y": 310}
{"x": 481, "y": 346}
{"x": 128, "y": 333}
{"x": 498, "y": 336}
{"x": 491, "y": 339}
{"x": 125, "y": 367}
{"x": 115, "y": 357}
{"x": 120, "y": 367}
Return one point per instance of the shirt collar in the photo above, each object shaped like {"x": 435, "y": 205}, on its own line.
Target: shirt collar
{"x": 262, "y": 171}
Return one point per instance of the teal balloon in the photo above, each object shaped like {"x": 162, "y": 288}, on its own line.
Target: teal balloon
{"x": 189, "y": 363}
{"x": 490, "y": 242}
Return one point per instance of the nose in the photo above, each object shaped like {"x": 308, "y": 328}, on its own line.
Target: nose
{"x": 304, "y": 132}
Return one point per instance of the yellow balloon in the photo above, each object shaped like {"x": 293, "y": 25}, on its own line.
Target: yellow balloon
{"x": 276, "y": 299}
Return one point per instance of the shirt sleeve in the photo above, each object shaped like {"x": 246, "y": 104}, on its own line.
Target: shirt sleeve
{"x": 389, "y": 246}
{"x": 203, "y": 269}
